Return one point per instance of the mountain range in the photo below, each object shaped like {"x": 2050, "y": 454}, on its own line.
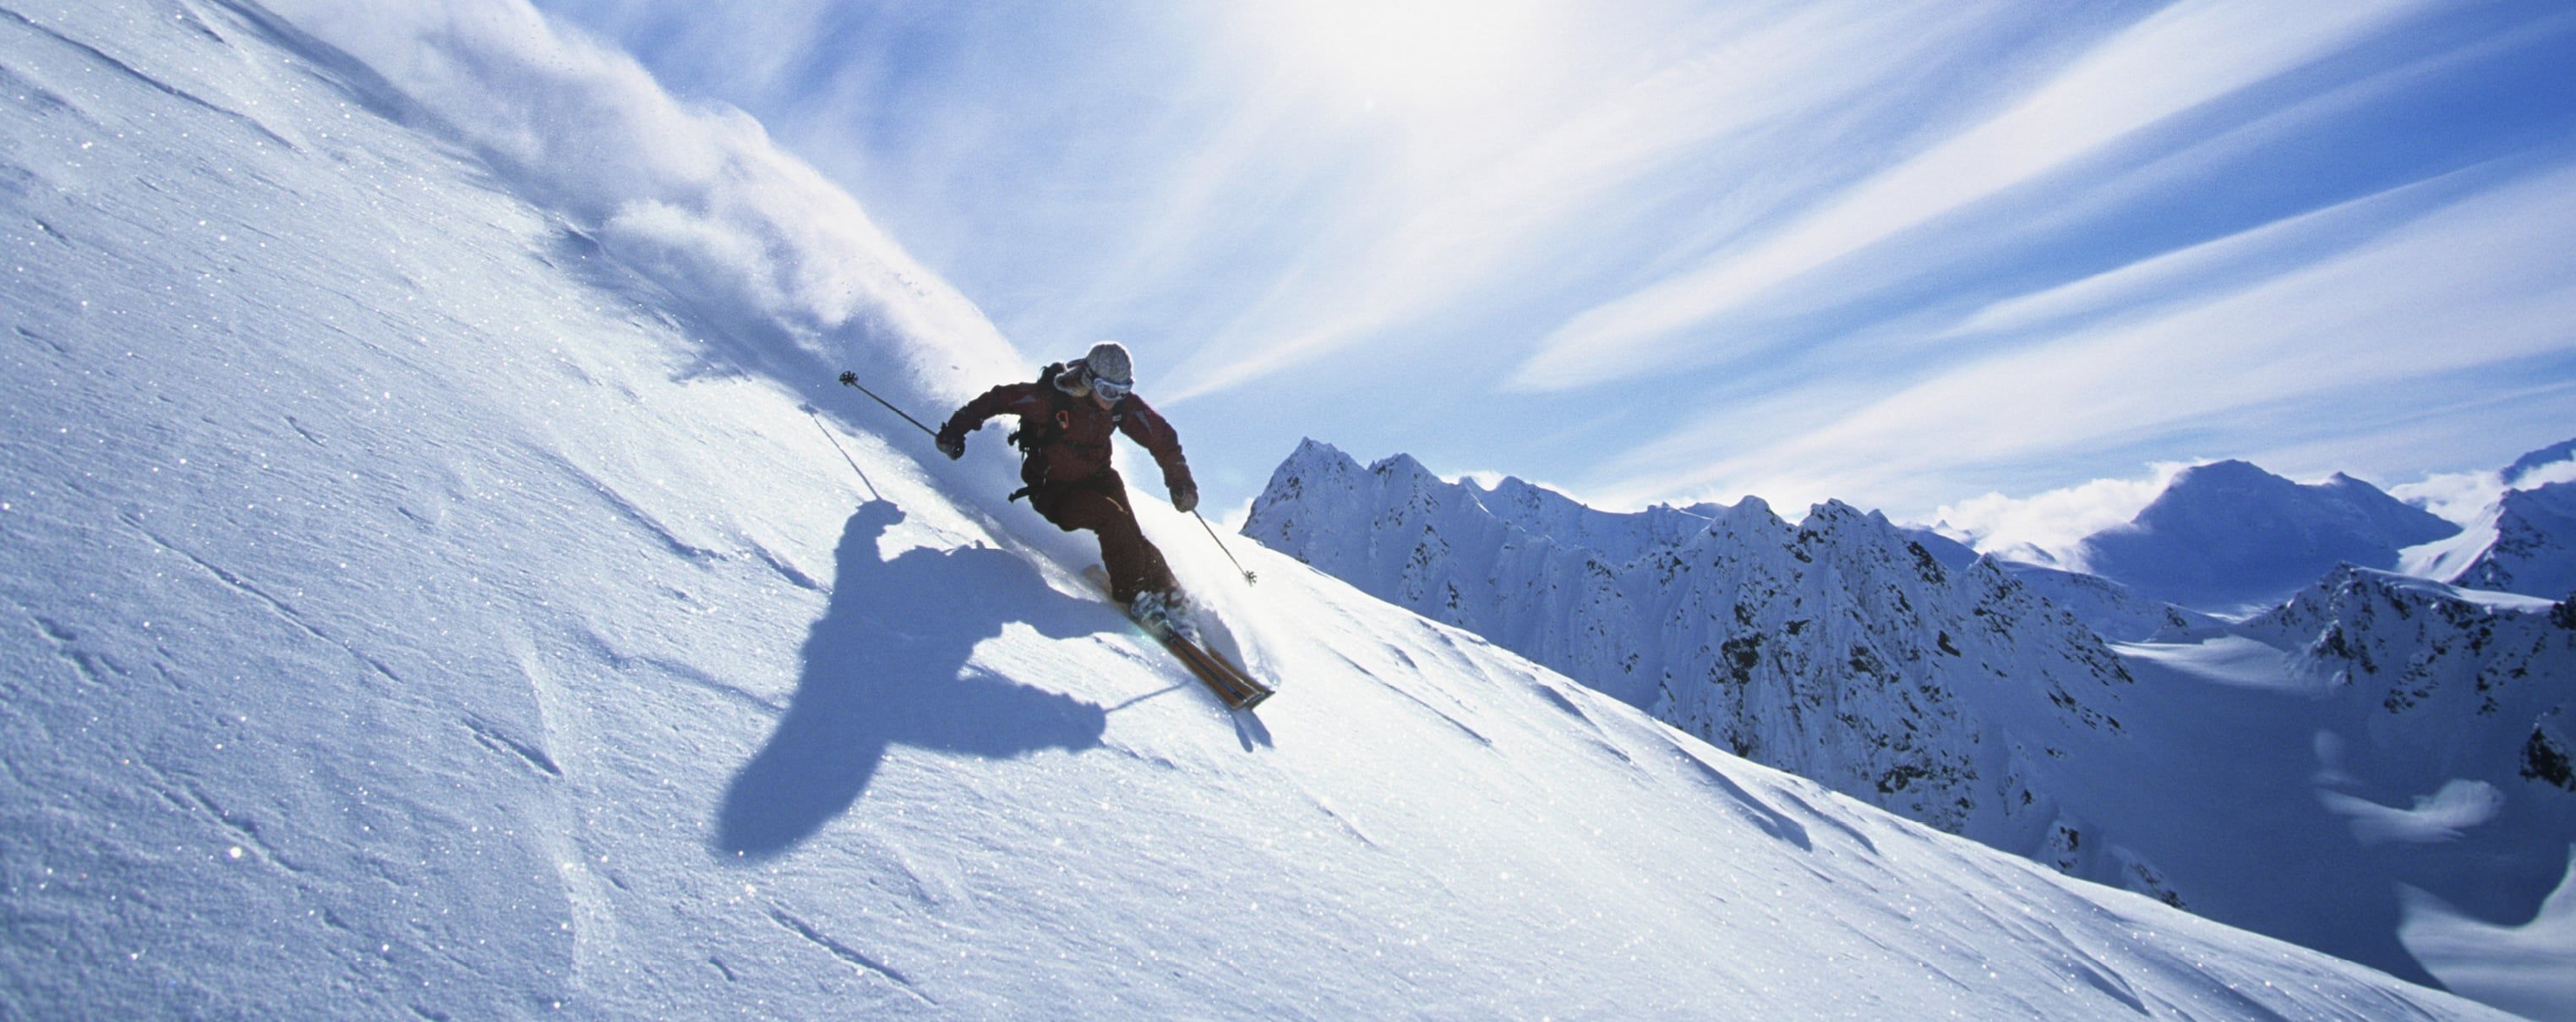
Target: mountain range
{"x": 2232, "y": 539}
{"x": 2373, "y": 757}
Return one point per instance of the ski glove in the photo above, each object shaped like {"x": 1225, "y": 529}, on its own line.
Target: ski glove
{"x": 951, "y": 444}
{"x": 1185, "y": 498}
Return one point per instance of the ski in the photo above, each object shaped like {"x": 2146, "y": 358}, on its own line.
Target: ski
{"x": 1238, "y": 690}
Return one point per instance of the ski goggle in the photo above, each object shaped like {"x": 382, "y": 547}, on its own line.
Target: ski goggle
{"x": 1111, "y": 389}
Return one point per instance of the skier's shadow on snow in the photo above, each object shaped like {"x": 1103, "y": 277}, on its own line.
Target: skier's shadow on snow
{"x": 883, "y": 666}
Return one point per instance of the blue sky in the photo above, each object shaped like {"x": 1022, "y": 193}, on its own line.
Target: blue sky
{"x": 1904, "y": 254}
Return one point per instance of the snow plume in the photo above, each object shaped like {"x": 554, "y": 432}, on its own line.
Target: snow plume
{"x": 694, "y": 196}
{"x": 2553, "y": 464}
{"x": 2465, "y": 497}
{"x": 2460, "y": 497}
{"x": 2049, "y": 526}
{"x": 2441, "y": 816}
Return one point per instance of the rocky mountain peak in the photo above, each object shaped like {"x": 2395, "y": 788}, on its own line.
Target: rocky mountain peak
{"x": 1838, "y": 647}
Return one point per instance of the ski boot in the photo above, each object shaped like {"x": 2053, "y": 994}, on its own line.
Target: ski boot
{"x": 1163, "y": 613}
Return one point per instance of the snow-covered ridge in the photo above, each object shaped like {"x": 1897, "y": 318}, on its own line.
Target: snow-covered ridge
{"x": 2525, "y": 543}
{"x": 2523, "y": 538}
{"x": 1836, "y": 648}
{"x": 2111, "y": 610}
{"x": 2554, "y": 463}
{"x": 1618, "y": 537}
{"x": 2254, "y": 772}
{"x": 2421, "y": 648}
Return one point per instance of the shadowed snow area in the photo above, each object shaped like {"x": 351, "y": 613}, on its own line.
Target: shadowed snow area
{"x": 416, "y": 602}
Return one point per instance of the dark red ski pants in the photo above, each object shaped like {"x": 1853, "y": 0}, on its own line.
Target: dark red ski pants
{"x": 1098, "y": 502}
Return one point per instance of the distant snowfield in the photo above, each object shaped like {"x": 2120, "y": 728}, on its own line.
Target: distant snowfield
{"x": 412, "y": 608}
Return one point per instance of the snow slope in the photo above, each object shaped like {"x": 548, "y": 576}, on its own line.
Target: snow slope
{"x": 426, "y": 592}
{"x": 2259, "y": 773}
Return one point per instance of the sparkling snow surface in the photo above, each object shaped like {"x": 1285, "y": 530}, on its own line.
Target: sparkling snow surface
{"x": 413, "y": 608}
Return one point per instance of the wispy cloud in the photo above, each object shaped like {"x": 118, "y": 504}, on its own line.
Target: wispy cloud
{"x": 2477, "y": 284}
{"x": 2139, "y": 287}
{"x": 2179, "y": 58}
{"x": 2053, "y": 523}
{"x": 1470, "y": 210}
{"x": 2457, "y": 496}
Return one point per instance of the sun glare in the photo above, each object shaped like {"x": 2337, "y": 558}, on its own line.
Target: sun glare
{"x": 1410, "y": 55}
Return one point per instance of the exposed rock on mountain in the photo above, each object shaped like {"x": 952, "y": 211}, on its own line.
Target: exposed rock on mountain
{"x": 2299, "y": 772}
{"x": 2461, "y": 675}
{"x": 1837, "y": 648}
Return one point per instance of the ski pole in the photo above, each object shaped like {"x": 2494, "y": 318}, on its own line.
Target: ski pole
{"x": 845, "y": 453}
{"x": 851, "y": 379}
{"x": 1248, "y": 577}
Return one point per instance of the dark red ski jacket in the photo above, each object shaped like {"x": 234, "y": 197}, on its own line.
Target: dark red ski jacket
{"x": 1076, "y": 431}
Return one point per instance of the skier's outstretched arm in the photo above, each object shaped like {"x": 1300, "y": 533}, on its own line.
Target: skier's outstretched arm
{"x": 1155, "y": 434}
{"x": 1005, "y": 398}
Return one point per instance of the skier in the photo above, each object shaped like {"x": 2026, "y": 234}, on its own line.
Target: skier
{"x": 1066, "y": 418}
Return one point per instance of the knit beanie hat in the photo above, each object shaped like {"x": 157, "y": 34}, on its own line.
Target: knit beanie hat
{"x": 1108, "y": 361}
